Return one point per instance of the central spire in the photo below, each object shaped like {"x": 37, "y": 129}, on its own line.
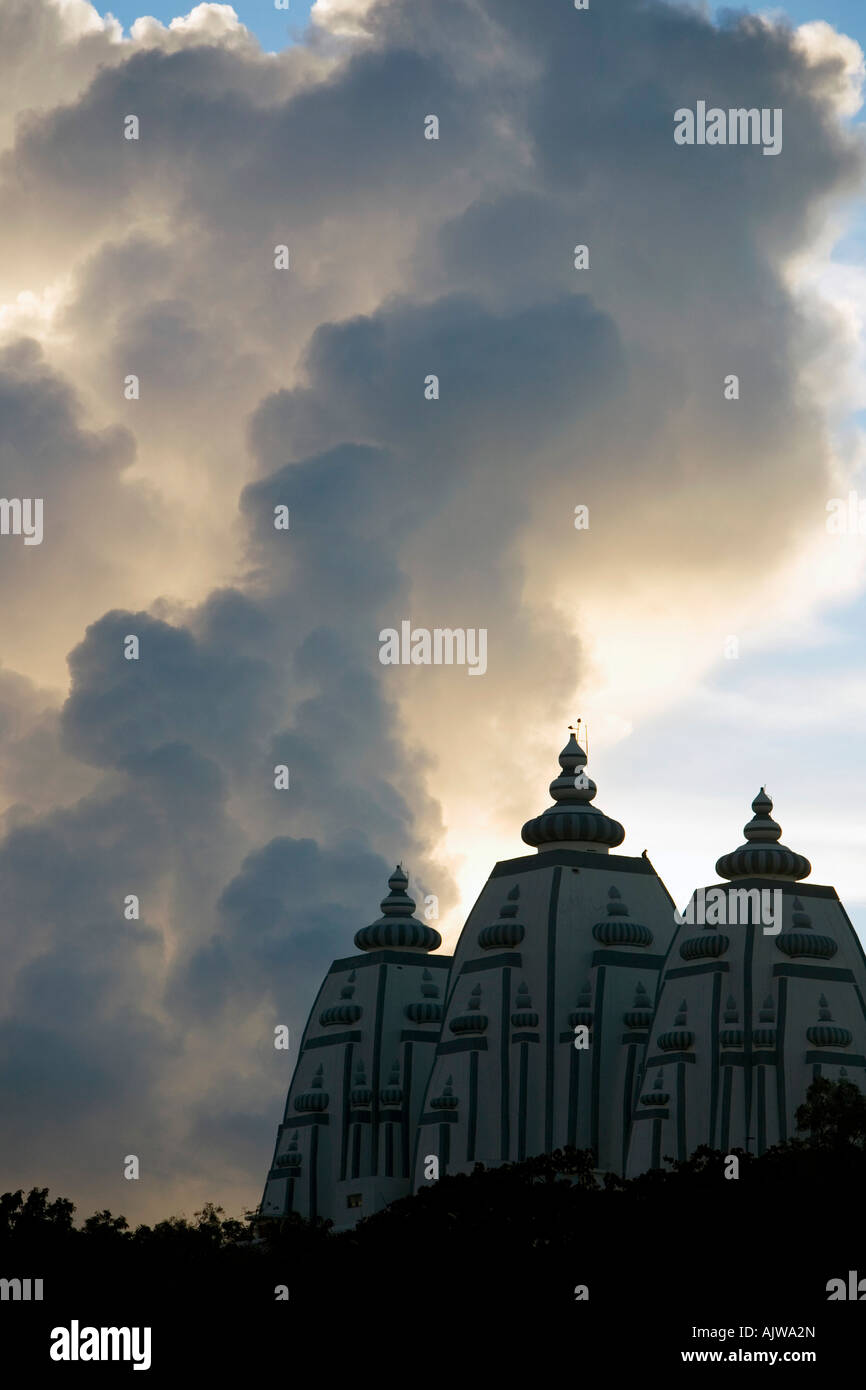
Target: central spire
{"x": 571, "y": 822}
{"x": 762, "y": 856}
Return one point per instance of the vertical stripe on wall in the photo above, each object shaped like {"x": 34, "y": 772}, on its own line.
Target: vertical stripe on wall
{"x": 314, "y": 1173}
{"x": 714, "y": 1057}
{"x": 762, "y": 1117}
{"x": 290, "y": 1195}
{"x": 444, "y": 1148}
{"x": 376, "y": 1068}
{"x": 726, "y": 1109}
{"x": 597, "y": 1034}
{"x": 521, "y": 1104}
{"x": 627, "y": 1092}
{"x": 657, "y": 1144}
{"x": 781, "y": 1099}
{"x": 473, "y": 1106}
{"x": 747, "y": 1031}
{"x": 407, "y": 1110}
{"x": 573, "y": 1093}
{"x": 550, "y": 1020}
{"x": 505, "y": 1098}
{"x": 389, "y": 1150}
{"x": 347, "y": 1083}
{"x": 681, "y": 1111}
{"x": 356, "y": 1150}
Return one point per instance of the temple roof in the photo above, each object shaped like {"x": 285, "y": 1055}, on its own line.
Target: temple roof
{"x": 762, "y": 856}
{"x": 571, "y": 819}
{"x": 397, "y": 929}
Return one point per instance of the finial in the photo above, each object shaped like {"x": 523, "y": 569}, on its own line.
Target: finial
{"x": 571, "y": 821}
{"x": 397, "y": 928}
{"x": 762, "y": 856}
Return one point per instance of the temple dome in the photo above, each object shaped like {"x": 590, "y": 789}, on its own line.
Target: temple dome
{"x": 762, "y": 856}
{"x": 571, "y": 820}
{"x": 397, "y": 929}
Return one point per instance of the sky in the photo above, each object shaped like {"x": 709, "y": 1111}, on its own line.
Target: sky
{"x": 707, "y": 626}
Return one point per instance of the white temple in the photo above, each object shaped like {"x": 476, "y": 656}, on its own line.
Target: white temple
{"x": 749, "y": 1015}
{"x": 576, "y": 1011}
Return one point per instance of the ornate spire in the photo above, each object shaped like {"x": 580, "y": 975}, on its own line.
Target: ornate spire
{"x": 762, "y": 856}
{"x": 571, "y": 821}
{"x": 397, "y": 929}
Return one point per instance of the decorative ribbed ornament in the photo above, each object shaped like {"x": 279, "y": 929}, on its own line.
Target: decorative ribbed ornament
{"x": 524, "y": 1016}
{"x": 826, "y": 1033}
{"x": 392, "y": 1094}
{"x": 447, "y": 1100}
{"x": 762, "y": 856}
{"x": 680, "y": 1038}
{"x": 340, "y": 1014}
{"x": 571, "y": 820}
{"x": 506, "y": 933}
{"x": 397, "y": 929}
{"x": 472, "y": 1021}
{"x": 314, "y": 1099}
{"x": 362, "y": 1094}
{"x": 583, "y": 1013}
{"x": 640, "y": 1015}
{"x": 619, "y": 929}
{"x": 707, "y": 947}
{"x": 806, "y": 943}
{"x": 426, "y": 1010}
{"x": 656, "y": 1096}
{"x": 291, "y": 1159}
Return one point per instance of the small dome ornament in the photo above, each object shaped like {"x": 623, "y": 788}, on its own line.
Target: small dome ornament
{"x": 340, "y": 1014}
{"x": 472, "y": 1021}
{"x": 427, "y": 1009}
{"x": 761, "y": 1036}
{"x": 582, "y": 1015}
{"x": 640, "y": 1015}
{"x": 762, "y": 856}
{"x": 447, "y": 1100}
{"x": 315, "y": 1099}
{"x": 731, "y": 1037}
{"x": 524, "y": 1015}
{"x": 679, "y": 1038}
{"x": 656, "y": 1096}
{"x": 506, "y": 933}
{"x": 619, "y": 930}
{"x": 362, "y": 1094}
{"x": 571, "y": 822}
{"x": 826, "y": 1033}
{"x": 707, "y": 947}
{"x": 392, "y": 1094}
{"x": 397, "y": 929}
{"x": 290, "y": 1159}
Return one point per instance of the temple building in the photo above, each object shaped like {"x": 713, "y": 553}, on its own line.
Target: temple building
{"x": 572, "y": 937}
{"x": 754, "y": 1005}
{"x": 344, "y": 1148}
{"x": 579, "y": 1009}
